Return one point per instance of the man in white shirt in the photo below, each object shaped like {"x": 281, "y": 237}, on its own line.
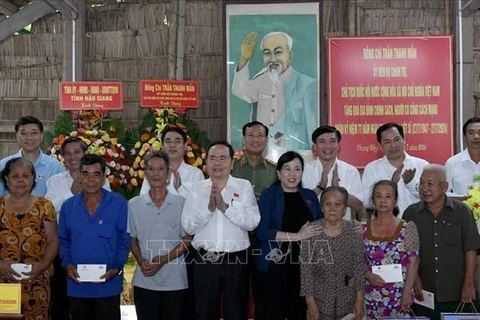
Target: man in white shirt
{"x": 463, "y": 169}
{"x": 64, "y": 185}
{"x": 174, "y": 141}
{"x": 219, "y": 212}
{"x": 60, "y": 187}
{"x": 396, "y": 165}
{"x": 328, "y": 170}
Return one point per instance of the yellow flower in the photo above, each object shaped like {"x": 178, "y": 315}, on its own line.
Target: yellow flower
{"x": 88, "y": 132}
{"x": 161, "y": 127}
{"x": 145, "y": 147}
{"x": 114, "y": 141}
{"x": 137, "y": 145}
{"x": 141, "y": 174}
{"x": 106, "y": 138}
{"x": 134, "y": 182}
{"x": 153, "y": 139}
{"x": 157, "y": 145}
{"x": 190, "y": 154}
{"x": 102, "y": 132}
{"x": 73, "y": 134}
{"x": 131, "y": 171}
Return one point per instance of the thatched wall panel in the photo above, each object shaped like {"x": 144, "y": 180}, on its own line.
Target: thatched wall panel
{"x": 52, "y": 23}
{"x": 30, "y": 67}
{"x": 204, "y": 13}
{"x": 204, "y": 67}
{"x": 127, "y": 69}
{"x": 33, "y": 45}
{"x": 403, "y": 22}
{"x": 202, "y": 39}
{"x": 45, "y": 89}
{"x": 402, "y": 4}
{"x": 46, "y": 111}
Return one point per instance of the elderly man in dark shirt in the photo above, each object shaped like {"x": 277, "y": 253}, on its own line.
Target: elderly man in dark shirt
{"x": 448, "y": 243}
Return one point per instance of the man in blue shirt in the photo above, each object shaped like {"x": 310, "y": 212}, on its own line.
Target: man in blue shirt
{"x": 93, "y": 231}
{"x": 29, "y": 132}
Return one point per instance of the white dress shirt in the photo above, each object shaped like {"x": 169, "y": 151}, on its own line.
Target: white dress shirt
{"x": 58, "y": 189}
{"x": 382, "y": 169}
{"x": 348, "y": 175}
{"x": 188, "y": 174}
{"x": 460, "y": 172}
{"x": 217, "y": 231}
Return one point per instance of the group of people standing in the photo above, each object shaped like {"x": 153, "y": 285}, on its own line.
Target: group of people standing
{"x": 286, "y": 232}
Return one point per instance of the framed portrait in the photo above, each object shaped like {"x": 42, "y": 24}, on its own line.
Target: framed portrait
{"x": 273, "y": 72}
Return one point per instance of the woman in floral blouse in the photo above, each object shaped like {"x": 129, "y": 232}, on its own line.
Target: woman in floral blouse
{"x": 389, "y": 240}
{"x": 28, "y": 234}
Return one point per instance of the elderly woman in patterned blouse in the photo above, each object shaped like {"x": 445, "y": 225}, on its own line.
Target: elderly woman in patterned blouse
{"x": 28, "y": 234}
{"x": 333, "y": 264}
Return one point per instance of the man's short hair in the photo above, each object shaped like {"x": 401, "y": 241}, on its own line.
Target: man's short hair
{"x": 289, "y": 39}
{"x": 157, "y": 154}
{"x": 469, "y": 122}
{"x": 254, "y": 123}
{"x": 91, "y": 159}
{"x": 174, "y": 129}
{"x": 387, "y": 126}
{"x": 18, "y": 161}
{"x": 223, "y": 143}
{"x": 28, "y": 120}
{"x": 325, "y": 129}
{"x": 69, "y": 140}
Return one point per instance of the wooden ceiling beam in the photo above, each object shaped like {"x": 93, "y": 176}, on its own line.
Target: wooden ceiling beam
{"x": 67, "y": 8}
{"x": 7, "y": 8}
{"x": 26, "y": 15}
{"x": 470, "y": 7}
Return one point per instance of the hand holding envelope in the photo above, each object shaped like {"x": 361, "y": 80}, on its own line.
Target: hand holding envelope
{"x": 390, "y": 273}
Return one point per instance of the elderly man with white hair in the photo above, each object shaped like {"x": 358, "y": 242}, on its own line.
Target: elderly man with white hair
{"x": 285, "y": 100}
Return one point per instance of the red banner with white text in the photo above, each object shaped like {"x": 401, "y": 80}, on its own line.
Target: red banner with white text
{"x": 408, "y": 80}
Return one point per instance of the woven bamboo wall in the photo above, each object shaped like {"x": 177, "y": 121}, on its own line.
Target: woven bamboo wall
{"x": 128, "y": 42}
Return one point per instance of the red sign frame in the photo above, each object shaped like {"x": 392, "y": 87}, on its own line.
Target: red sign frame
{"x": 407, "y": 80}
{"x": 169, "y": 93}
{"x": 89, "y": 95}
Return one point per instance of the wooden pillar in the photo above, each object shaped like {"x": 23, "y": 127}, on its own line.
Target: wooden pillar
{"x": 182, "y": 8}
{"x": 74, "y": 45}
{"x": 172, "y": 39}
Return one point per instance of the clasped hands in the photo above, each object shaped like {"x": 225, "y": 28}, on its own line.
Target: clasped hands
{"x": 216, "y": 200}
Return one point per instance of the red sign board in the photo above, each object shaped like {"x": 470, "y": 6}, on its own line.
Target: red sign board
{"x": 407, "y": 80}
{"x": 169, "y": 93}
{"x": 91, "y": 95}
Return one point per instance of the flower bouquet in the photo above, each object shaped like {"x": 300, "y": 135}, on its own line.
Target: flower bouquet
{"x": 101, "y": 137}
{"x": 473, "y": 201}
{"x": 149, "y": 139}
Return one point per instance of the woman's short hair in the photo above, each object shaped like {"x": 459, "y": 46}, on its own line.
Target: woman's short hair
{"x": 15, "y": 162}
{"x": 342, "y": 190}
{"x": 394, "y": 187}
{"x": 287, "y": 157}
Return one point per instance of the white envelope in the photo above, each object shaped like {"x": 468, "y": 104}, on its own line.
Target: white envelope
{"x": 349, "y": 316}
{"x": 428, "y": 300}
{"x": 389, "y": 272}
{"x": 91, "y": 272}
{"x": 20, "y": 268}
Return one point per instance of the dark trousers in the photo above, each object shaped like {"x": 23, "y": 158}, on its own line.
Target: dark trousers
{"x": 59, "y": 303}
{"x": 159, "y": 305}
{"x": 256, "y": 280}
{"x": 282, "y": 293}
{"x": 107, "y": 308}
{"x": 443, "y": 307}
{"x": 190, "y": 311}
{"x": 228, "y": 275}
